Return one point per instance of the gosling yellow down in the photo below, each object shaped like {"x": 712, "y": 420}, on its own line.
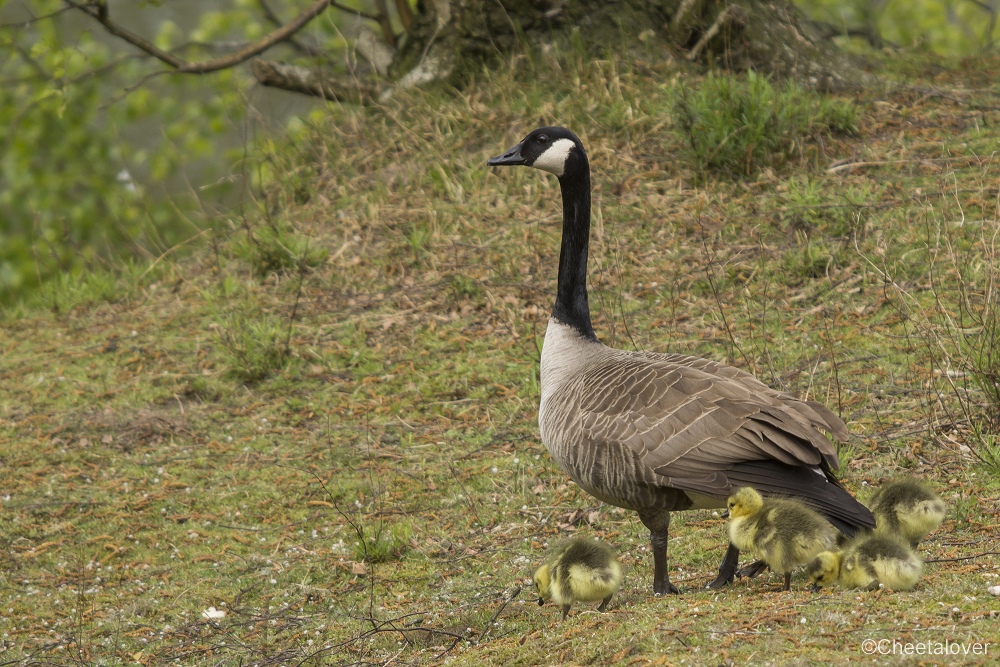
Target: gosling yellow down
{"x": 782, "y": 532}
{"x": 907, "y": 508}
{"x": 867, "y": 562}
{"x": 579, "y": 570}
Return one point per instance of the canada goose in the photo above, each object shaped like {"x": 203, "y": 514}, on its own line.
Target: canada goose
{"x": 867, "y": 562}
{"x": 579, "y": 570}
{"x": 783, "y": 532}
{"x": 659, "y": 433}
{"x": 906, "y": 507}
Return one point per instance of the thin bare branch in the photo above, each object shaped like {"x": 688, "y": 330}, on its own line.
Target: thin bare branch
{"x": 98, "y": 10}
{"x": 34, "y": 19}
{"x": 276, "y": 21}
{"x": 352, "y": 10}
{"x": 731, "y": 17}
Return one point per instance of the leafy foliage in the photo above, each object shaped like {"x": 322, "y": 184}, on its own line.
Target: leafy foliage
{"x": 83, "y": 180}
{"x": 951, "y": 27}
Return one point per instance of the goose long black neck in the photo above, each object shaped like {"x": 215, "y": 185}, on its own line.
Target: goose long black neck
{"x": 572, "y": 307}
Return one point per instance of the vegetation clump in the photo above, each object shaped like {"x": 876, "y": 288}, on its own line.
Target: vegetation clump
{"x": 737, "y": 125}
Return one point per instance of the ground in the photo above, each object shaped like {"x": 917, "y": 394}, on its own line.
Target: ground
{"x": 312, "y": 440}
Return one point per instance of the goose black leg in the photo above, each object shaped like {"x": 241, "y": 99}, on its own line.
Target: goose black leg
{"x": 659, "y": 529}
{"x": 727, "y": 569}
{"x": 752, "y": 570}
{"x": 604, "y": 604}
{"x": 788, "y": 582}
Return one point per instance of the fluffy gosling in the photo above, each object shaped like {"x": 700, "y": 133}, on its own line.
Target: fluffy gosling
{"x": 782, "y": 532}
{"x": 906, "y": 507}
{"x": 867, "y": 562}
{"x": 579, "y": 570}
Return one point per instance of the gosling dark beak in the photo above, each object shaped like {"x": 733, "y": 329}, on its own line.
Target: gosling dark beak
{"x": 815, "y": 588}
{"x": 541, "y": 601}
{"x": 725, "y": 514}
{"x": 511, "y": 158}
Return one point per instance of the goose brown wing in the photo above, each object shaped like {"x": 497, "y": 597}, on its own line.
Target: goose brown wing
{"x": 688, "y": 424}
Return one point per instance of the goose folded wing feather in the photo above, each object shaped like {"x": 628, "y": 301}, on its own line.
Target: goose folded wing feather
{"x": 677, "y": 418}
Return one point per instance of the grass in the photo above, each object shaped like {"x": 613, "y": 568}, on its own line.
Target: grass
{"x": 740, "y": 124}
{"x": 380, "y": 495}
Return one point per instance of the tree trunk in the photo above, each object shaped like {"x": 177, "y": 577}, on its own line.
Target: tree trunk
{"x": 766, "y": 35}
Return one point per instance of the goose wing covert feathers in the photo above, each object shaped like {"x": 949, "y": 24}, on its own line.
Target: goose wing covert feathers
{"x": 696, "y": 425}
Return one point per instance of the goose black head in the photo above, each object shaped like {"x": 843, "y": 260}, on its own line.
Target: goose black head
{"x": 552, "y": 149}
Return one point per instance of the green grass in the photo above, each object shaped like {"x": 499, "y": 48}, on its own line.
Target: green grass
{"x": 376, "y": 492}
{"x": 740, "y": 124}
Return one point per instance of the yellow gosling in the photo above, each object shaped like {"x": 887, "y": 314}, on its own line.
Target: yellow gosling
{"x": 906, "y": 507}
{"x": 579, "y": 570}
{"x": 868, "y": 562}
{"x": 782, "y": 532}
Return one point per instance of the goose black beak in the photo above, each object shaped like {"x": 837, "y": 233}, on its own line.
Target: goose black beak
{"x": 511, "y": 158}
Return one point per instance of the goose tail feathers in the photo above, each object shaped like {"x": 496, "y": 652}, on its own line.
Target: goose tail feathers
{"x": 813, "y": 485}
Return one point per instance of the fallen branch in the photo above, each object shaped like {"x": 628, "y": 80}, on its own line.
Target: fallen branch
{"x": 298, "y": 79}
{"x": 489, "y": 624}
{"x": 732, "y": 16}
{"x": 955, "y": 560}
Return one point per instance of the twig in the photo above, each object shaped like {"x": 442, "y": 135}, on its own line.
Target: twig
{"x": 489, "y": 623}
{"x": 722, "y": 311}
{"x": 295, "y": 308}
{"x": 276, "y": 21}
{"x": 34, "y": 19}
{"x": 955, "y": 560}
{"x": 731, "y": 16}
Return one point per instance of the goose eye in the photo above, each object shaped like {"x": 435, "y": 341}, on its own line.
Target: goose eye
{"x": 542, "y": 139}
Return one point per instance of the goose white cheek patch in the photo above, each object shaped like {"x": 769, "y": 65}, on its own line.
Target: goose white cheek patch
{"x": 553, "y": 160}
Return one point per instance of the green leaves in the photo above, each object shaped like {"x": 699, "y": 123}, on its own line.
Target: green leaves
{"x": 100, "y": 162}
{"x": 948, "y": 27}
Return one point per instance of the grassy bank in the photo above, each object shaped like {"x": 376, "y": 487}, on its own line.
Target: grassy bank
{"x": 323, "y": 424}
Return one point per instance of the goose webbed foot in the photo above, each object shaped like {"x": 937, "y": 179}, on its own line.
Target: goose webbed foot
{"x": 727, "y": 569}
{"x": 662, "y": 588}
{"x": 752, "y": 570}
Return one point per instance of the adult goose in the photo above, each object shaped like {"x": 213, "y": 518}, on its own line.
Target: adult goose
{"x": 660, "y": 433}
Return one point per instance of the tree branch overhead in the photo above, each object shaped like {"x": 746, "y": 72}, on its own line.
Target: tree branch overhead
{"x": 98, "y": 10}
